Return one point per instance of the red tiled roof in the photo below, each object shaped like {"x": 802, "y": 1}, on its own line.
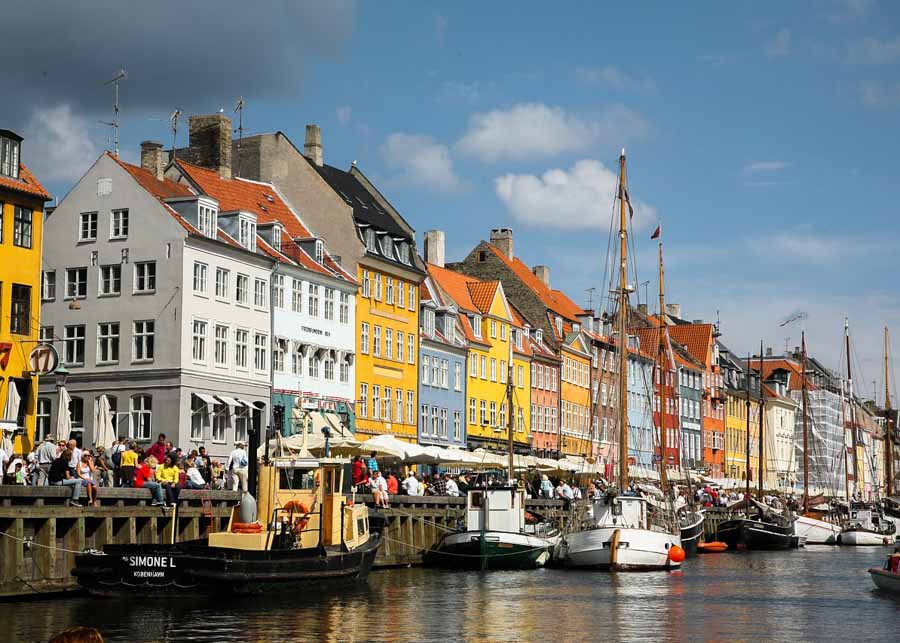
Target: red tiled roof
{"x": 456, "y": 286}
{"x": 26, "y": 184}
{"x": 555, "y": 300}
{"x": 794, "y": 381}
{"x": 696, "y": 338}
{"x": 482, "y": 293}
{"x": 165, "y": 189}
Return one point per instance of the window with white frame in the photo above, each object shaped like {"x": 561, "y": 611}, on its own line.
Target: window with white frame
{"x": 200, "y": 273}
{"x": 296, "y": 296}
{"x": 493, "y": 329}
{"x": 493, "y": 369}
{"x": 424, "y": 421}
{"x": 46, "y": 334}
{"x": 247, "y": 234}
{"x": 377, "y": 286}
{"x": 221, "y": 417}
{"x": 320, "y": 251}
{"x": 472, "y": 410}
{"x": 387, "y": 409}
{"x": 76, "y": 283}
{"x": 457, "y": 376}
{"x": 400, "y": 298}
{"x": 389, "y": 343}
{"x": 206, "y": 221}
{"x": 145, "y": 276}
{"x": 221, "y": 283}
{"x": 220, "y": 350}
{"x": 473, "y": 366}
{"x": 9, "y": 157}
{"x": 428, "y": 321}
{"x": 445, "y": 373}
{"x": 435, "y": 421}
{"x": 242, "y": 289}
{"x": 276, "y": 238}
{"x": 344, "y": 313}
{"x": 376, "y": 341}
{"x": 476, "y": 325}
{"x": 410, "y": 348}
{"x": 435, "y": 372}
{"x": 483, "y": 367}
{"x": 73, "y": 345}
{"x": 366, "y": 284}
{"x": 503, "y": 371}
{"x": 260, "y": 342}
{"x": 241, "y": 347}
{"x": 376, "y": 402}
{"x": 118, "y": 224}
{"x": 297, "y": 360}
{"x": 362, "y": 405}
{"x": 345, "y": 372}
{"x": 313, "y": 308}
{"x": 389, "y": 291}
{"x": 398, "y": 401}
{"x": 312, "y": 368}
{"x": 278, "y": 291}
{"x": 199, "y": 340}
{"x": 199, "y": 418}
{"x": 364, "y": 338}
{"x": 142, "y": 416}
{"x": 410, "y": 407}
{"x": 482, "y": 407}
{"x": 411, "y": 299}
{"x": 328, "y": 368}
{"x": 48, "y": 283}
{"x": 457, "y": 426}
{"x": 259, "y": 293}
{"x": 426, "y": 369}
{"x": 399, "y": 345}
{"x": 241, "y": 423}
{"x": 443, "y": 423}
{"x": 108, "y": 343}
{"x": 329, "y": 303}
{"x": 87, "y": 226}
{"x": 143, "y": 341}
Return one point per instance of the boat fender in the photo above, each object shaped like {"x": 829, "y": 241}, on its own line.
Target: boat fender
{"x": 246, "y": 527}
{"x": 676, "y": 554}
{"x": 317, "y": 477}
{"x": 614, "y": 548}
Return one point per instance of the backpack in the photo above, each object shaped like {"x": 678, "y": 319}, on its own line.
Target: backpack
{"x": 117, "y": 459}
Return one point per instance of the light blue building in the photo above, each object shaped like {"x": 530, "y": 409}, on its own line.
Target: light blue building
{"x": 442, "y": 374}
{"x": 641, "y": 441}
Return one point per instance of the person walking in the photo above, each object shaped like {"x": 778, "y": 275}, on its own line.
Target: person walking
{"x": 237, "y": 465}
{"x": 46, "y": 454}
{"x": 115, "y": 455}
{"x": 60, "y": 475}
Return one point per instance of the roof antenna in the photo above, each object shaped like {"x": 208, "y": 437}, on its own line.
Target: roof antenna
{"x": 114, "y": 81}
{"x": 173, "y": 119}
{"x": 239, "y": 108}
{"x": 590, "y": 293}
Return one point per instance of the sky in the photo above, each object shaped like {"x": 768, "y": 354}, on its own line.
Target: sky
{"x": 761, "y": 136}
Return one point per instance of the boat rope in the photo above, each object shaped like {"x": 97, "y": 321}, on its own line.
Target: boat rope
{"x": 448, "y": 553}
{"x": 30, "y": 542}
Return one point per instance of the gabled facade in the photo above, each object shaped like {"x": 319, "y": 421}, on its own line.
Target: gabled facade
{"x": 545, "y": 364}
{"x": 576, "y": 425}
{"x": 135, "y": 314}
{"x": 22, "y": 201}
{"x": 442, "y": 381}
{"x": 690, "y": 406}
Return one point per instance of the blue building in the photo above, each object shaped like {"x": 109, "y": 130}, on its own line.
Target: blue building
{"x": 442, "y": 374}
{"x": 641, "y": 441}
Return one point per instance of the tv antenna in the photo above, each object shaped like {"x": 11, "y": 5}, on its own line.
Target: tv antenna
{"x": 793, "y": 317}
{"x": 239, "y": 109}
{"x": 173, "y": 119}
{"x": 114, "y": 81}
{"x": 590, "y": 294}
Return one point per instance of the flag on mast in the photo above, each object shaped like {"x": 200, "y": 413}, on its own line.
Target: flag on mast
{"x": 657, "y": 232}
{"x": 628, "y": 202}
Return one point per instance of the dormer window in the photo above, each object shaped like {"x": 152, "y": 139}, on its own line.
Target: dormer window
{"x": 320, "y": 251}
{"x": 9, "y": 153}
{"x": 247, "y": 233}
{"x": 276, "y": 238}
{"x": 207, "y": 220}
{"x": 371, "y": 245}
{"x": 559, "y": 326}
{"x": 539, "y": 335}
{"x": 387, "y": 247}
{"x": 428, "y": 321}
{"x": 575, "y": 328}
{"x": 518, "y": 334}
{"x": 403, "y": 251}
{"x": 476, "y": 325}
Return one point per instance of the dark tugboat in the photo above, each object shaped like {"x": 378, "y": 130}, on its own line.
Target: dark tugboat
{"x": 310, "y": 534}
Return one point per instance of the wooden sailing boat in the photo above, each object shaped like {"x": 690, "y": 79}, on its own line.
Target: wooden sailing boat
{"x": 767, "y": 529}
{"x": 866, "y": 524}
{"x": 618, "y": 533}
{"x": 809, "y": 524}
{"x": 495, "y": 535}
{"x": 891, "y": 504}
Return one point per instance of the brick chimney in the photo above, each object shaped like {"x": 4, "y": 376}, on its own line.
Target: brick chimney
{"x": 312, "y": 148}
{"x": 152, "y": 158}
{"x": 502, "y": 238}
{"x": 542, "y": 273}
{"x": 210, "y": 141}
{"x": 434, "y": 247}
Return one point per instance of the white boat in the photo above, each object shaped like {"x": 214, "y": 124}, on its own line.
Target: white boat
{"x": 866, "y": 528}
{"x": 864, "y": 537}
{"x": 816, "y": 532}
{"x": 885, "y": 580}
{"x": 620, "y": 539}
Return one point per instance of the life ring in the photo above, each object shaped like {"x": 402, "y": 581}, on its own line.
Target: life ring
{"x": 295, "y": 506}
{"x": 246, "y": 527}
{"x": 300, "y": 522}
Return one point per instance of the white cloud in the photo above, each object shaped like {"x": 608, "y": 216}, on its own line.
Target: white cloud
{"x": 780, "y": 45}
{"x": 611, "y": 76}
{"x": 581, "y": 197}
{"x": 766, "y": 166}
{"x": 58, "y": 145}
{"x": 420, "y": 162}
{"x": 872, "y": 51}
{"x": 534, "y": 130}
{"x": 344, "y": 114}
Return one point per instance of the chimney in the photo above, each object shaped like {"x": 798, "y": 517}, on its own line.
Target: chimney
{"x": 434, "y": 247}
{"x": 502, "y": 238}
{"x": 542, "y": 273}
{"x": 587, "y": 320}
{"x": 210, "y": 141}
{"x": 642, "y": 308}
{"x": 152, "y": 158}
{"x": 312, "y": 148}
{"x": 769, "y": 352}
{"x": 673, "y": 310}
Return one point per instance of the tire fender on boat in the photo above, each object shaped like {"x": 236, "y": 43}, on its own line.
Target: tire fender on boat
{"x": 614, "y": 547}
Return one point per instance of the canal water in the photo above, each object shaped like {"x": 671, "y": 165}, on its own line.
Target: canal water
{"x": 816, "y": 594}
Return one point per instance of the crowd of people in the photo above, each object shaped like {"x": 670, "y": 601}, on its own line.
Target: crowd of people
{"x": 162, "y": 468}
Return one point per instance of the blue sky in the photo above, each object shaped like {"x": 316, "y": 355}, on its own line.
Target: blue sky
{"x": 762, "y": 136}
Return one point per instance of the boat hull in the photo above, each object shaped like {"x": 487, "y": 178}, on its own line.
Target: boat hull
{"x": 816, "y": 532}
{"x": 619, "y": 549}
{"x": 744, "y": 533}
{"x": 489, "y": 550}
{"x": 195, "y": 568}
{"x": 885, "y": 580}
{"x": 691, "y": 533}
{"x": 864, "y": 538}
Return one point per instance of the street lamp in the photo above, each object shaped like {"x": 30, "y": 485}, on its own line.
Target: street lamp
{"x": 61, "y": 375}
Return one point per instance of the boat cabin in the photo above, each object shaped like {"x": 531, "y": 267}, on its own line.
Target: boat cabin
{"x": 300, "y": 506}
{"x": 620, "y": 511}
{"x": 496, "y": 509}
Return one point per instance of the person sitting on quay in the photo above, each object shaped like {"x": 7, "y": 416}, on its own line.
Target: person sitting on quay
{"x": 204, "y": 464}
{"x": 451, "y": 486}
{"x": 546, "y": 487}
{"x": 438, "y": 487}
{"x": 85, "y": 471}
{"x": 378, "y": 485}
{"x": 158, "y": 449}
{"x": 393, "y": 485}
{"x": 144, "y": 478}
{"x": 194, "y": 479}
{"x": 358, "y": 473}
{"x": 410, "y": 484}
{"x": 167, "y": 476}
{"x": 60, "y": 474}
{"x": 104, "y": 465}
{"x": 217, "y": 475}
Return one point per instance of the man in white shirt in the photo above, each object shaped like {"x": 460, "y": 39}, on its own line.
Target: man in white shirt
{"x": 411, "y": 485}
{"x": 76, "y": 456}
{"x": 566, "y": 491}
{"x": 452, "y": 488}
{"x": 237, "y": 464}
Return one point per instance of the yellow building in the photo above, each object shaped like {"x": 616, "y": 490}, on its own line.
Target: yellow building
{"x": 492, "y": 335}
{"x": 575, "y": 396}
{"x": 736, "y": 434}
{"x": 22, "y": 201}
{"x": 387, "y": 316}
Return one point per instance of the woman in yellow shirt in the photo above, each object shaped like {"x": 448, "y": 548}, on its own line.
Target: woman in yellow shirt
{"x": 167, "y": 476}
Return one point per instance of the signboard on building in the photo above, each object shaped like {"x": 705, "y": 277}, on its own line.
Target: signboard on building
{"x": 43, "y": 359}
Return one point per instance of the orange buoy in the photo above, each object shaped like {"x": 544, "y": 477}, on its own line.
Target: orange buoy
{"x": 676, "y": 554}
{"x": 715, "y": 547}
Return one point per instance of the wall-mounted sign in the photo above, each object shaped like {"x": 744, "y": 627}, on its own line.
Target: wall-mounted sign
{"x": 316, "y": 331}
{"x": 43, "y": 359}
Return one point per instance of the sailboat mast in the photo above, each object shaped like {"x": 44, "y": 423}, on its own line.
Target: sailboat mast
{"x": 803, "y": 401}
{"x": 623, "y": 329}
{"x": 762, "y": 408}
{"x": 747, "y": 446}
{"x": 663, "y": 367}
{"x": 510, "y": 419}
{"x": 852, "y": 409}
{"x": 888, "y": 428}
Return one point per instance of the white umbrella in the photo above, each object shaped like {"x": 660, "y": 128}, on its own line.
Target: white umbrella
{"x": 103, "y": 428}
{"x": 10, "y": 414}
{"x": 63, "y": 419}
{"x": 389, "y": 445}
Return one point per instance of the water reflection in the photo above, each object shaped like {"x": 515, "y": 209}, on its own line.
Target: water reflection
{"x": 817, "y": 594}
